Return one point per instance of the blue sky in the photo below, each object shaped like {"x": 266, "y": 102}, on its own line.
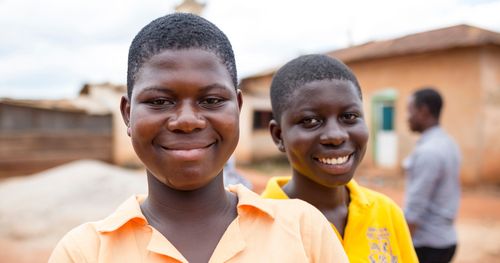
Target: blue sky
{"x": 50, "y": 48}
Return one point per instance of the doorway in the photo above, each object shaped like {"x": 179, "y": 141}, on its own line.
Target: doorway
{"x": 385, "y": 142}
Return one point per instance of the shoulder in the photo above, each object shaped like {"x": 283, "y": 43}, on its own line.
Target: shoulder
{"x": 80, "y": 244}
{"x": 304, "y": 222}
{"x": 377, "y": 197}
{"x": 437, "y": 141}
{"x": 292, "y": 207}
{"x": 380, "y": 202}
{"x": 85, "y": 233}
{"x": 428, "y": 153}
{"x": 289, "y": 212}
{"x": 382, "y": 211}
{"x": 292, "y": 223}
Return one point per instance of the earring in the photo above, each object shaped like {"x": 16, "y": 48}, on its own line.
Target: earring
{"x": 129, "y": 131}
{"x": 281, "y": 147}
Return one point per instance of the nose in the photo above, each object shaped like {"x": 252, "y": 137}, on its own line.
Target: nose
{"x": 334, "y": 134}
{"x": 186, "y": 119}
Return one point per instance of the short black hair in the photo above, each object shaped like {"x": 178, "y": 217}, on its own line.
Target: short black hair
{"x": 174, "y": 32}
{"x": 429, "y": 97}
{"x": 302, "y": 70}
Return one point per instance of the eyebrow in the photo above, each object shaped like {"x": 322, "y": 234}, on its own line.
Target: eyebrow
{"x": 215, "y": 86}
{"x": 156, "y": 89}
{"x": 315, "y": 107}
{"x": 203, "y": 89}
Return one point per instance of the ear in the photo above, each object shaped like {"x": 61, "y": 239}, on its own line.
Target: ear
{"x": 125, "y": 110}
{"x": 239, "y": 97}
{"x": 424, "y": 109}
{"x": 275, "y": 130}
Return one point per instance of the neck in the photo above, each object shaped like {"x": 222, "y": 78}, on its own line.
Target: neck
{"x": 430, "y": 125}
{"x": 320, "y": 196}
{"x": 167, "y": 204}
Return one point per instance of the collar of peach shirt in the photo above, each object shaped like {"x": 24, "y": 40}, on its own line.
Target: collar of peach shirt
{"x": 131, "y": 211}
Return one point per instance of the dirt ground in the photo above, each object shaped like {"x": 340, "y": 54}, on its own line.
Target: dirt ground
{"x": 478, "y": 222}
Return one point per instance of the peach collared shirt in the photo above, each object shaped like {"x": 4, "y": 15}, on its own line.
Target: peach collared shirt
{"x": 265, "y": 230}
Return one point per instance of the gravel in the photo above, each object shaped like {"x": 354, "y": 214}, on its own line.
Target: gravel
{"x": 42, "y": 207}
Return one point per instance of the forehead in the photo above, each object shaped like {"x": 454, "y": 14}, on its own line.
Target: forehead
{"x": 186, "y": 67}
{"x": 324, "y": 93}
{"x": 192, "y": 58}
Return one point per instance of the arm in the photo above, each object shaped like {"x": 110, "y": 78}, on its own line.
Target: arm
{"x": 423, "y": 178}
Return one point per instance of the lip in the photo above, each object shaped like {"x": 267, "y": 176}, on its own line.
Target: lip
{"x": 186, "y": 145}
{"x": 188, "y": 151}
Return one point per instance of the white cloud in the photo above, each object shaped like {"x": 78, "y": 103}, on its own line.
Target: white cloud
{"x": 54, "y": 46}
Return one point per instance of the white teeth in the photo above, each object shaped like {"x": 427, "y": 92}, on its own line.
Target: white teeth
{"x": 340, "y": 160}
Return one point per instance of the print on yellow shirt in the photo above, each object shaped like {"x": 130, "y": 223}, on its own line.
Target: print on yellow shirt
{"x": 380, "y": 245}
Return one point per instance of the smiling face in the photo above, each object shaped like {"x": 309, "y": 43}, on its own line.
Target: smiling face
{"x": 323, "y": 132}
{"x": 183, "y": 117}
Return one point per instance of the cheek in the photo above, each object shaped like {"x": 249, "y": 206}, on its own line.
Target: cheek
{"x": 144, "y": 127}
{"x": 298, "y": 144}
{"x": 361, "y": 135}
{"x": 227, "y": 123}
{"x": 231, "y": 131}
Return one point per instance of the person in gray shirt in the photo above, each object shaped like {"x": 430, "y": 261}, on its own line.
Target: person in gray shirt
{"x": 433, "y": 186}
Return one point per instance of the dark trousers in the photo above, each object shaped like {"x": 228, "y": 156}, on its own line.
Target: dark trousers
{"x": 435, "y": 255}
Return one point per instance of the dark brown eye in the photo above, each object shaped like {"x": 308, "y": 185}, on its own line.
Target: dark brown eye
{"x": 160, "y": 102}
{"x": 310, "y": 122}
{"x": 350, "y": 116}
{"x": 211, "y": 101}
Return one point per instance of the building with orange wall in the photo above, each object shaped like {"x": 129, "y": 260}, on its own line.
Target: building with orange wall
{"x": 462, "y": 61}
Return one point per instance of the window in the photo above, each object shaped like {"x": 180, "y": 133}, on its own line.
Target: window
{"x": 387, "y": 118}
{"x": 261, "y": 119}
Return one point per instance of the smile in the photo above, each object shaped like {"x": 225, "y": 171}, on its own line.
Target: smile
{"x": 187, "y": 146}
{"x": 334, "y": 161}
{"x": 188, "y": 153}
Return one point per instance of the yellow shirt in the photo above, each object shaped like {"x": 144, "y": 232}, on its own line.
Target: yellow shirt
{"x": 376, "y": 229}
{"x": 264, "y": 231}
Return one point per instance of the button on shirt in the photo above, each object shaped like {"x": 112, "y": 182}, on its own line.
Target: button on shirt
{"x": 264, "y": 231}
{"x": 433, "y": 189}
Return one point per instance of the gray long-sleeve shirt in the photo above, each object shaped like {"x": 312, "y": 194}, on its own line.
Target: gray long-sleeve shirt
{"x": 433, "y": 189}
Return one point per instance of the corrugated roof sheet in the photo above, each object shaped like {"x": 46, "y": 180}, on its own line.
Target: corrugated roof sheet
{"x": 440, "y": 39}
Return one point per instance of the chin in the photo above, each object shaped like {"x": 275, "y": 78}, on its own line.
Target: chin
{"x": 189, "y": 186}
{"x": 331, "y": 181}
{"x": 340, "y": 180}
{"x": 187, "y": 183}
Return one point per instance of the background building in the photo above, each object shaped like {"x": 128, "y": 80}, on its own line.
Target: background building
{"x": 39, "y": 134}
{"x": 462, "y": 61}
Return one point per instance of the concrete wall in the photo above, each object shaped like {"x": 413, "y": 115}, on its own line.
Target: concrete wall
{"x": 110, "y": 96}
{"x": 489, "y": 139}
{"x": 33, "y": 139}
{"x": 254, "y": 145}
{"x": 456, "y": 73}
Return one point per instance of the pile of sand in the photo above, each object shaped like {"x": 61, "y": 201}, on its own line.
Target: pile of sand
{"x": 44, "y": 206}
